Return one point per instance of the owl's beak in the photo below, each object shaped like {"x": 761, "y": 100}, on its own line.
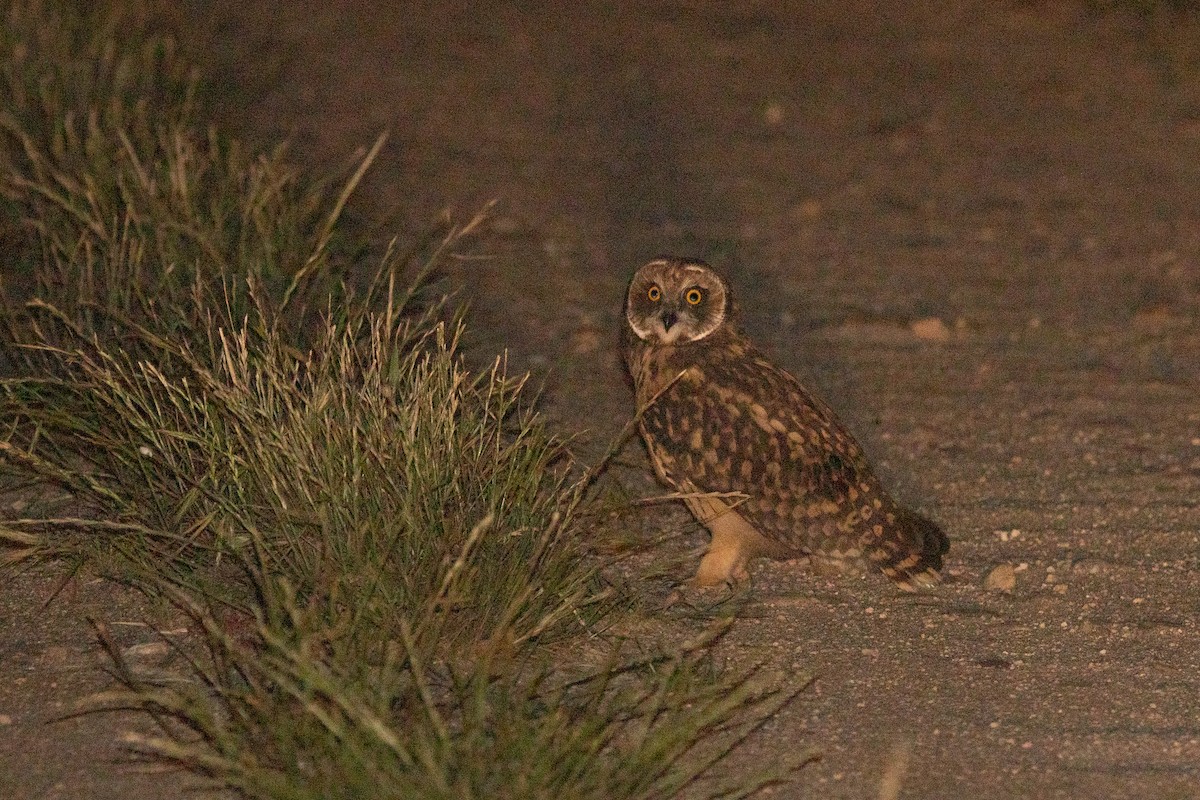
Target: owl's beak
{"x": 669, "y": 318}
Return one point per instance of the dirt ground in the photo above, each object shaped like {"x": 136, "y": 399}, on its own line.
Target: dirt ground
{"x": 973, "y": 227}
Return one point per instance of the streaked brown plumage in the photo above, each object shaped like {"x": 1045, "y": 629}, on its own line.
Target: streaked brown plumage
{"x": 719, "y": 418}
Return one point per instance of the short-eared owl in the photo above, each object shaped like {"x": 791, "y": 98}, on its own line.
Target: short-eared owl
{"x": 767, "y": 467}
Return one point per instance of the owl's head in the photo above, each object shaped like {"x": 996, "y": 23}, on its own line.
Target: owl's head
{"x": 673, "y": 301}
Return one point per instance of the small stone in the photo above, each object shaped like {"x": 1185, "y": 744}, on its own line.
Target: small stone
{"x": 1002, "y": 578}
{"x": 585, "y": 341}
{"x": 505, "y": 225}
{"x": 930, "y": 329}
{"x": 147, "y": 652}
{"x": 773, "y": 114}
{"x": 5, "y": 719}
{"x": 1089, "y": 566}
{"x": 1156, "y": 319}
{"x": 810, "y": 209}
{"x": 55, "y": 656}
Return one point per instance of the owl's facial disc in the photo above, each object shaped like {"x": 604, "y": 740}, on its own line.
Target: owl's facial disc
{"x": 672, "y": 302}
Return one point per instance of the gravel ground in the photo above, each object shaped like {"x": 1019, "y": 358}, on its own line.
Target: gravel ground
{"x": 971, "y": 227}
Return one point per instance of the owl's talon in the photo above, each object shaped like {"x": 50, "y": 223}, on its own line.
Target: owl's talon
{"x": 694, "y": 595}
{"x": 729, "y": 583}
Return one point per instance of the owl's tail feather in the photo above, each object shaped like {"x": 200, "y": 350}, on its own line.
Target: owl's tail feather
{"x": 910, "y": 550}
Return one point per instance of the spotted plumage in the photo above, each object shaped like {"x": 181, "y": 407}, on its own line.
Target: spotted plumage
{"x": 765, "y": 465}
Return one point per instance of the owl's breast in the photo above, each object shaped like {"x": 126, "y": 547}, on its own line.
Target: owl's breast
{"x": 653, "y": 369}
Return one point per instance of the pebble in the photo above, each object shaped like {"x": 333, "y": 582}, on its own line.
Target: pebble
{"x": 1002, "y": 578}
{"x": 54, "y": 656}
{"x": 147, "y": 653}
{"x": 931, "y": 329}
{"x": 506, "y": 225}
{"x": 810, "y": 209}
{"x": 585, "y": 341}
{"x": 1089, "y": 566}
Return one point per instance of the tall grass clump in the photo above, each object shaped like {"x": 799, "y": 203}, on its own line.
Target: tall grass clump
{"x": 380, "y": 550}
{"x": 136, "y": 207}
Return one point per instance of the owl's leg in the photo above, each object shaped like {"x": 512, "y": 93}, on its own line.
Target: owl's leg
{"x": 727, "y": 556}
{"x": 734, "y": 542}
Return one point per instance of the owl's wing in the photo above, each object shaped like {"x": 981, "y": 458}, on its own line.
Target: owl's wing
{"x": 810, "y": 486}
{"x": 806, "y": 480}
{"x": 743, "y": 425}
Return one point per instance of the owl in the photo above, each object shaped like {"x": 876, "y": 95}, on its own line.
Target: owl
{"x": 767, "y": 467}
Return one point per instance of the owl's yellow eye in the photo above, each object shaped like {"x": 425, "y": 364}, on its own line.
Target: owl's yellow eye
{"x": 694, "y": 296}
{"x": 654, "y": 293}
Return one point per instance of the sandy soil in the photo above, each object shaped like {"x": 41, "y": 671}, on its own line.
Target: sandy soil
{"x": 1026, "y": 174}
